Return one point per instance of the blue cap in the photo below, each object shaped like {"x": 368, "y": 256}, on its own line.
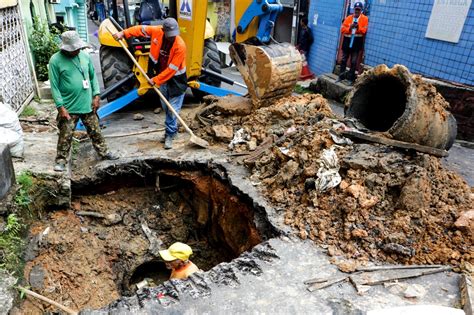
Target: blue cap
{"x": 359, "y": 5}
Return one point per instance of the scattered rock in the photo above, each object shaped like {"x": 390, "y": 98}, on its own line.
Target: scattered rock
{"x": 289, "y": 171}
{"x": 393, "y": 248}
{"x": 347, "y": 266}
{"x": 36, "y": 277}
{"x": 356, "y": 190}
{"x": 414, "y": 291}
{"x": 138, "y": 116}
{"x": 158, "y": 110}
{"x": 113, "y": 218}
{"x": 234, "y": 105}
{"x": 359, "y": 233}
{"x": 7, "y": 293}
{"x": 223, "y": 132}
{"x": 465, "y": 222}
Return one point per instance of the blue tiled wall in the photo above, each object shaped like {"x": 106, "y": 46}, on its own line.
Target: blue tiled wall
{"x": 322, "y": 55}
{"x": 397, "y": 35}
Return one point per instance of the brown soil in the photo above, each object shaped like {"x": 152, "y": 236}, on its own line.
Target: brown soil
{"x": 86, "y": 260}
{"x": 391, "y": 205}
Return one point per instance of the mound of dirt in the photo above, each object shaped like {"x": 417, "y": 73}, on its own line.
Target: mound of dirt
{"x": 390, "y": 205}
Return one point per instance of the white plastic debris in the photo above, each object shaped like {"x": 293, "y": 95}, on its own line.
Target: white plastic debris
{"x": 328, "y": 173}
{"x": 339, "y": 140}
{"x": 240, "y": 136}
{"x": 10, "y": 130}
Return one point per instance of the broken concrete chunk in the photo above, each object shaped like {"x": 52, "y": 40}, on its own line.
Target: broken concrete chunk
{"x": 223, "y": 132}
{"x": 138, "y": 116}
{"x": 415, "y": 291}
{"x": 158, "y": 110}
{"x": 7, "y": 293}
{"x": 36, "y": 277}
{"x": 398, "y": 249}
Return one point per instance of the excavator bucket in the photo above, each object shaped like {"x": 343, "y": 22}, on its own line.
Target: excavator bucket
{"x": 270, "y": 71}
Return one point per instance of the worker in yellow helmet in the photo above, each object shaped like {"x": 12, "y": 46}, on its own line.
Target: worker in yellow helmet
{"x": 177, "y": 259}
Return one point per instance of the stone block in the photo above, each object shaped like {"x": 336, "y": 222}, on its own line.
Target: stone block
{"x": 7, "y": 173}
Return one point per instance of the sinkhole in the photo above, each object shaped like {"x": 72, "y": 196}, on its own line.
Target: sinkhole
{"x": 134, "y": 214}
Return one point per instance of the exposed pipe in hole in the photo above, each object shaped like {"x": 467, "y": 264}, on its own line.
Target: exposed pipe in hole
{"x": 397, "y": 102}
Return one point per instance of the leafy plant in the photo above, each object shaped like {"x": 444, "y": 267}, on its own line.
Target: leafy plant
{"x": 44, "y": 43}
{"x": 28, "y": 111}
{"x": 11, "y": 245}
{"x": 25, "y": 181}
{"x": 301, "y": 90}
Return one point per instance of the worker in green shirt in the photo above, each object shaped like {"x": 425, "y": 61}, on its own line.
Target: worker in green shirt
{"x": 75, "y": 91}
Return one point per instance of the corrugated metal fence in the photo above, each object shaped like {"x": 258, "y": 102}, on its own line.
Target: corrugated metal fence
{"x": 16, "y": 82}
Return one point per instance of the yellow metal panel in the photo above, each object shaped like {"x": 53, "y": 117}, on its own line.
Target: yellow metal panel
{"x": 239, "y": 9}
{"x": 193, "y": 25}
{"x": 105, "y": 38}
{"x": 7, "y": 3}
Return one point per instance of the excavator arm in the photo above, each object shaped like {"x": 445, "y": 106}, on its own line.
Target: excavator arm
{"x": 269, "y": 69}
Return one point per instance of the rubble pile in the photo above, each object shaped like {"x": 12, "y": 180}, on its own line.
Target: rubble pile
{"x": 383, "y": 205}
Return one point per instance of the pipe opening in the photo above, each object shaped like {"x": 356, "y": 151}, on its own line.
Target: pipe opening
{"x": 379, "y": 103}
{"x": 154, "y": 272}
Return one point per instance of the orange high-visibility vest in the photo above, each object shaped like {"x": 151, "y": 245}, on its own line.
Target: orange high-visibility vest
{"x": 363, "y": 23}
{"x": 184, "y": 272}
{"x": 177, "y": 56}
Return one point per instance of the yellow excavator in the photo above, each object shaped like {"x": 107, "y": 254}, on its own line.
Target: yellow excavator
{"x": 269, "y": 69}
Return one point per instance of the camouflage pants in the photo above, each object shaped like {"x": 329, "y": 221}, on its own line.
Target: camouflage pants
{"x": 66, "y": 130}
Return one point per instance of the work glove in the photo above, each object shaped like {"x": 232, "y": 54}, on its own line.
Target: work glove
{"x": 119, "y": 35}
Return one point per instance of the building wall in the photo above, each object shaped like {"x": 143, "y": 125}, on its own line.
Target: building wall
{"x": 397, "y": 35}
{"x": 325, "y": 18}
{"x": 43, "y": 9}
{"x": 75, "y": 15}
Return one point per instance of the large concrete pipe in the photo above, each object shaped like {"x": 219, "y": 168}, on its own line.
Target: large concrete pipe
{"x": 397, "y": 102}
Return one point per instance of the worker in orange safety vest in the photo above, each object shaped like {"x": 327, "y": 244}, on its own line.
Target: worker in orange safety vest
{"x": 176, "y": 258}
{"x": 353, "y": 29}
{"x": 168, "y": 64}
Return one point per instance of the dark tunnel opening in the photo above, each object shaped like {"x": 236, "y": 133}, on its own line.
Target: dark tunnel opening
{"x": 378, "y": 104}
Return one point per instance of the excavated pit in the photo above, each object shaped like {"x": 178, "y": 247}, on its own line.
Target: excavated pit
{"x": 108, "y": 241}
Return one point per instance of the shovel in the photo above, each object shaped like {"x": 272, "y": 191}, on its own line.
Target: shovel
{"x": 194, "y": 139}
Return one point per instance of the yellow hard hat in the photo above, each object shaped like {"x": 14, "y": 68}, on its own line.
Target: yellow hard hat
{"x": 176, "y": 251}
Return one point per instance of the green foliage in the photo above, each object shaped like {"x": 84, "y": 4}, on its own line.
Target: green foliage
{"x": 25, "y": 181}
{"x": 44, "y": 44}
{"x": 301, "y": 90}
{"x": 11, "y": 245}
{"x": 28, "y": 111}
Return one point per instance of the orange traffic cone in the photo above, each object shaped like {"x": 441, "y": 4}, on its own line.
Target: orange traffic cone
{"x": 305, "y": 72}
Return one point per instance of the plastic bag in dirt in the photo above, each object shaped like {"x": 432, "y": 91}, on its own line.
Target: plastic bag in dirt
{"x": 240, "y": 136}
{"x": 328, "y": 173}
{"x": 10, "y": 130}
